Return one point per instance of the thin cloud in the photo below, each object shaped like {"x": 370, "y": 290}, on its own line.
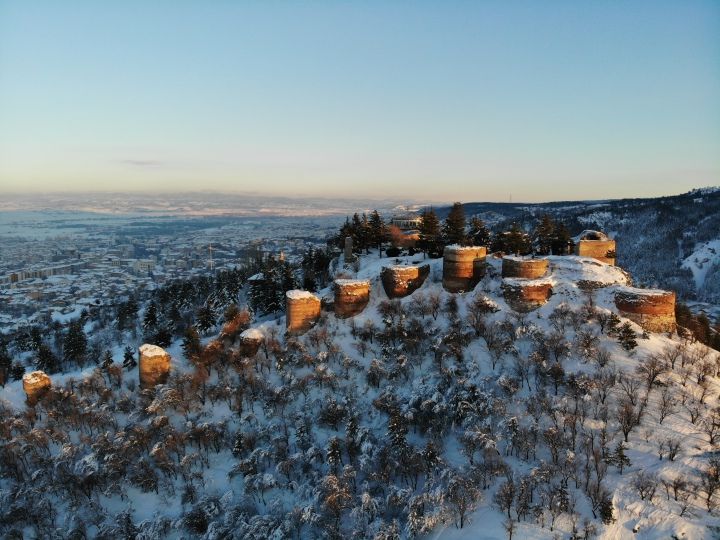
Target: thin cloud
{"x": 143, "y": 162}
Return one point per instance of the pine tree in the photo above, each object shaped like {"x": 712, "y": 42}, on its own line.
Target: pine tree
{"x": 191, "y": 343}
{"x": 627, "y": 337}
{"x": 454, "y": 227}
{"x": 430, "y": 233}
{"x": 129, "y": 358}
{"x": 17, "y": 370}
{"x": 378, "y": 231}
{"x": 619, "y": 458}
{"x": 150, "y": 320}
{"x": 613, "y": 325}
{"x": 561, "y": 243}
{"x": 334, "y": 454}
{"x": 397, "y": 431}
{"x": 162, "y": 337}
{"x": 359, "y": 236}
{"x": 46, "y": 360}
{"x": 288, "y": 281}
{"x": 514, "y": 241}
{"x": 543, "y": 235}
{"x": 75, "y": 344}
{"x": 5, "y": 363}
{"x": 479, "y": 234}
{"x": 107, "y": 360}
{"x": 206, "y": 318}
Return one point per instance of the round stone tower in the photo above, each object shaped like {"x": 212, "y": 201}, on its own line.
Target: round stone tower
{"x": 351, "y": 297}
{"x": 522, "y": 267}
{"x": 402, "y": 280}
{"x": 525, "y": 295}
{"x": 652, "y": 309}
{"x": 302, "y": 310}
{"x": 463, "y": 267}
{"x": 36, "y": 384}
{"x": 596, "y": 245}
{"x": 250, "y": 341}
{"x": 154, "y": 365}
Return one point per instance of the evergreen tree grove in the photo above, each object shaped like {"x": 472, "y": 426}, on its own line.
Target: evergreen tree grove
{"x": 454, "y": 227}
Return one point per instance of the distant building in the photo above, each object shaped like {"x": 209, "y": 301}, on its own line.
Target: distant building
{"x": 407, "y": 222}
{"x": 144, "y": 265}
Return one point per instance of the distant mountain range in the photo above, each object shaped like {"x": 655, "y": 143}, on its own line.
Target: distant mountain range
{"x": 671, "y": 242}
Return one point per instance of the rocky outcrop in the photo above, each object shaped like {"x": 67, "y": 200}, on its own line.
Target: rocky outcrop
{"x": 463, "y": 267}
{"x": 250, "y": 341}
{"x": 402, "y": 280}
{"x": 596, "y": 245}
{"x": 526, "y": 268}
{"x": 351, "y": 297}
{"x": 525, "y": 295}
{"x": 36, "y": 384}
{"x": 154, "y": 365}
{"x": 653, "y": 309}
{"x": 302, "y": 310}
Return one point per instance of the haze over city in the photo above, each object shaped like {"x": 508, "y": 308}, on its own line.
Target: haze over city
{"x": 425, "y": 100}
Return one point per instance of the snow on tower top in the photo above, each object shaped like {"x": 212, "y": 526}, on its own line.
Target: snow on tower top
{"x": 297, "y": 294}
{"x": 34, "y": 377}
{"x": 151, "y": 350}
{"x": 252, "y": 333}
{"x": 589, "y": 234}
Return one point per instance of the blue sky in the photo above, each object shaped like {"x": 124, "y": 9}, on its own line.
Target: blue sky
{"x": 429, "y": 100}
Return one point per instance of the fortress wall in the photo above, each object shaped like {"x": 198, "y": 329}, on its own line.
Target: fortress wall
{"x": 526, "y": 295}
{"x": 400, "y": 281}
{"x": 463, "y": 267}
{"x": 602, "y": 250}
{"x": 515, "y": 267}
{"x": 302, "y": 311}
{"x": 654, "y": 310}
{"x": 351, "y": 297}
{"x": 36, "y": 384}
{"x": 154, "y": 365}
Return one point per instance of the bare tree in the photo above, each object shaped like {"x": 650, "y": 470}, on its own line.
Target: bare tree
{"x": 650, "y": 368}
{"x": 645, "y": 484}
{"x": 627, "y": 417}
{"x": 666, "y": 406}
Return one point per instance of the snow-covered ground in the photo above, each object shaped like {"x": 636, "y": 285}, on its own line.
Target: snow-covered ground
{"x": 701, "y": 260}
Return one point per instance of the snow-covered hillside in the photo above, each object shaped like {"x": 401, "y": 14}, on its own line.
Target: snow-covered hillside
{"x": 440, "y": 416}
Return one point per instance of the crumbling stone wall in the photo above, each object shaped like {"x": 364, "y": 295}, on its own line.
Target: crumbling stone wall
{"x": 351, "y": 297}
{"x": 518, "y": 267}
{"x": 400, "y": 280}
{"x": 250, "y": 341}
{"x": 654, "y": 310}
{"x": 526, "y": 295}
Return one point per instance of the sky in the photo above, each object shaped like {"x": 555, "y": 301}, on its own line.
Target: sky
{"x": 432, "y": 101}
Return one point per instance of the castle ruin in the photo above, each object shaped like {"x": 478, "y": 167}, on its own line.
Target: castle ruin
{"x": 351, "y": 297}
{"x": 36, "y": 384}
{"x": 302, "y": 310}
{"x": 652, "y": 309}
{"x": 596, "y": 245}
{"x": 463, "y": 267}
{"x": 154, "y": 365}
{"x": 402, "y": 280}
